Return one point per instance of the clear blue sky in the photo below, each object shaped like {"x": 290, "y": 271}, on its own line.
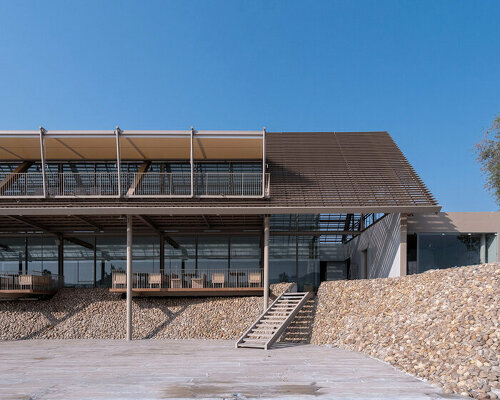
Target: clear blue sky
{"x": 426, "y": 71}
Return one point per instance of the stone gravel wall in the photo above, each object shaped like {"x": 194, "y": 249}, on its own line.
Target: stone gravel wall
{"x": 98, "y": 314}
{"x": 442, "y": 325}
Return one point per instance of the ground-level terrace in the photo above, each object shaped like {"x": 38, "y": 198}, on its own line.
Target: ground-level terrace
{"x": 107, "y": 369}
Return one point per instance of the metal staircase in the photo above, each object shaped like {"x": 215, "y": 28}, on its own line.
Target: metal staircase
{"x": 267, "y": 329}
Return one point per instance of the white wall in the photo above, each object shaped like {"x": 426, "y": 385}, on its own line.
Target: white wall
{"x": 382, "y": 242}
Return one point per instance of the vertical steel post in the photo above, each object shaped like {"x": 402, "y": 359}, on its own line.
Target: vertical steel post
{"x": 403, "y": 247}
{"x": 129, "y": 277}
{"x": 264, "y": 162}
{"x": 266, "y": 261}
{"x": 482, "y": 248}
{"x": 191, "y": 161}
{"x": 42, "y": 160}
{"x": 118, "y": 161}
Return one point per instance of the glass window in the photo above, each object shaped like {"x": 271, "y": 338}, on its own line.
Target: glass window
{"x": 180, "y": 253}
{"x": 213, "y": 252}
{"x": 146, "y": 254}
{"x": 12, "y": 252}
{"x": 43, "y": 254}
{"x": 308, "y": 263}
{"x": 245, "y": 252}
{"x": 79, "y": 262}
{"x": 111, "y": 256}
{"x": 445, "y": 250}
{"x": 282, "y": 259}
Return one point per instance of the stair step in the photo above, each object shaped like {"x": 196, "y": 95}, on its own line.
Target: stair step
{"x": 251, "y": 345}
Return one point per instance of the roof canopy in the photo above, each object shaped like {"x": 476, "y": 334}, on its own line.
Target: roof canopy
{"x": 310, "y": 172}
{"x": 134, "y": 145}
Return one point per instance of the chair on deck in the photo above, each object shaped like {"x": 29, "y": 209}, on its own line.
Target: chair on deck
{"x": 254, "y": 279}
{"x": 157, "y": 280}
{"x": 120, "y": 280}
{"x": 175, "y": 281}
{"x": 199, "y": 283}
{"x": 218, "y": 278}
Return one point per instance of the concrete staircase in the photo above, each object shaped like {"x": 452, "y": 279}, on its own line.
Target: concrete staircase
{"x": 268, "y": 328}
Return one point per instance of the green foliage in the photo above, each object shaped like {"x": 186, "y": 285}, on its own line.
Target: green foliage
{"x": 488, "y": 154}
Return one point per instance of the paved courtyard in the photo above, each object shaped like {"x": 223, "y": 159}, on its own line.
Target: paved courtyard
{"x": 166, "y": 369}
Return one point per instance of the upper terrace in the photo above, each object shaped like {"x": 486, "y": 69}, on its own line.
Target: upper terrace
{"x": 168, "y": 164}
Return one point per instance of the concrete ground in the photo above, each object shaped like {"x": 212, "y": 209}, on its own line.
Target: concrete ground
{"x": 166, "y": 369}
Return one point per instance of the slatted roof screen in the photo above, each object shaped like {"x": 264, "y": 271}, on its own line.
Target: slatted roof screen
{"x": 342, "y": 169}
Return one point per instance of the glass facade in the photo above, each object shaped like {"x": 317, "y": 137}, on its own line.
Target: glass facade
{"x": 12, "y": 254}
{"x": 446, "y": 250}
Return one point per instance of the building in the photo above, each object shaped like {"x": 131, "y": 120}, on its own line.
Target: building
{"x": 219, "y": 212}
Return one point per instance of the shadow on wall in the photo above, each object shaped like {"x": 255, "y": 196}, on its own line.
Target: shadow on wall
{"x": 382, "y": 244}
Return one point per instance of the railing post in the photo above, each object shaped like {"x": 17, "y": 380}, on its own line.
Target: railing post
{"x": 264, "y": 162}
{"x": 42, "y": 160}
{"x": 191, "y": 161}
{"x": 266, "y": 261}
{"x": 118, "y": 161}
{"x": 129, "y": 277}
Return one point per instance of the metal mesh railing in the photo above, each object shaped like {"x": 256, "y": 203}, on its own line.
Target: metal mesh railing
{"x": 147, "y": 184}
{"x": 192, "y": 279}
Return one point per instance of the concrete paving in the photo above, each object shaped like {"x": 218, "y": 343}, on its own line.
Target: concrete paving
{"x": 166, "y": 369}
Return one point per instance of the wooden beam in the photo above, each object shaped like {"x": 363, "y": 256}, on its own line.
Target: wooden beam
{"x": 33, "y": 224}
{"x": 138, "y": 178}
{"x": 205, "y": 218}
{"x": 88, "y": 222}
{"x": 13, "y": 176}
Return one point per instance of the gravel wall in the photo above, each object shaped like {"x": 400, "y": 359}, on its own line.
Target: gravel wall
{"x": 442, "y": 325}
{"x": 98, "y": 314}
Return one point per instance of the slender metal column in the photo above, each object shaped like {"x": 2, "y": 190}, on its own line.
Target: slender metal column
{"x": 42, "y": 160}
{"x": 266, "y": 261}
{"x": 264, "y": 162}
{"x": 118, "y": 161}
{"x": 482, "y": 248}
{"x": 129, "y": 277}
{"x": 403, "y": 247}
{"x": 191, "y": 161}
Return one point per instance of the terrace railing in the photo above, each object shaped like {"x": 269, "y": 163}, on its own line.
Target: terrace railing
{"x": 147, "y": 184}
{"x": 192, "y": 279}
{"x": 33, "y": 281}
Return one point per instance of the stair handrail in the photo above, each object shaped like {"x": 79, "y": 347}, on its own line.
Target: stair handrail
{"x": 240, "y": 340}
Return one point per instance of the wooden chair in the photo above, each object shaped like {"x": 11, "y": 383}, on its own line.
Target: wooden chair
{"x": 254, "y": 279}
{"x": 119, "y": 280}
{"x": 218, "y": 278}
{"x": 157, "y": 280}
{"x": 175, "y": 282}
{"x": 199, "y": 283}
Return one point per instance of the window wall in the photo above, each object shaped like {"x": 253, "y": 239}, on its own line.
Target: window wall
{"x": 12, "y": 254}
{"x": 446, "y": 250}
{"x": 78, "y": 264}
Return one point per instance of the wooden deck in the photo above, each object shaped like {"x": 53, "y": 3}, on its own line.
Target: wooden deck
{"x": 247, "y": 291}
{"x": 20, "y": 293}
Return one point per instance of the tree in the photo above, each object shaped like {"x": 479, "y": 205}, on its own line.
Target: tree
{"x": 488, "y": 154}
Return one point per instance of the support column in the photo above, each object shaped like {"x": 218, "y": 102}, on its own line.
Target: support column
{"x": 482, "y": 249}
{"x": 118, "y": 161}
{"x": 266, "y": 261}
{"x": 129, "y": 277}
{"x": 42, "y": 160}
{"x": 403, "y": 248}
{"x": 264, "y": 162}
{"x": 191, "y": 161}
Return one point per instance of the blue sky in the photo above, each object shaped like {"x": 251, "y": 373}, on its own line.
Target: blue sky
{"x": 426, "y": 71}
